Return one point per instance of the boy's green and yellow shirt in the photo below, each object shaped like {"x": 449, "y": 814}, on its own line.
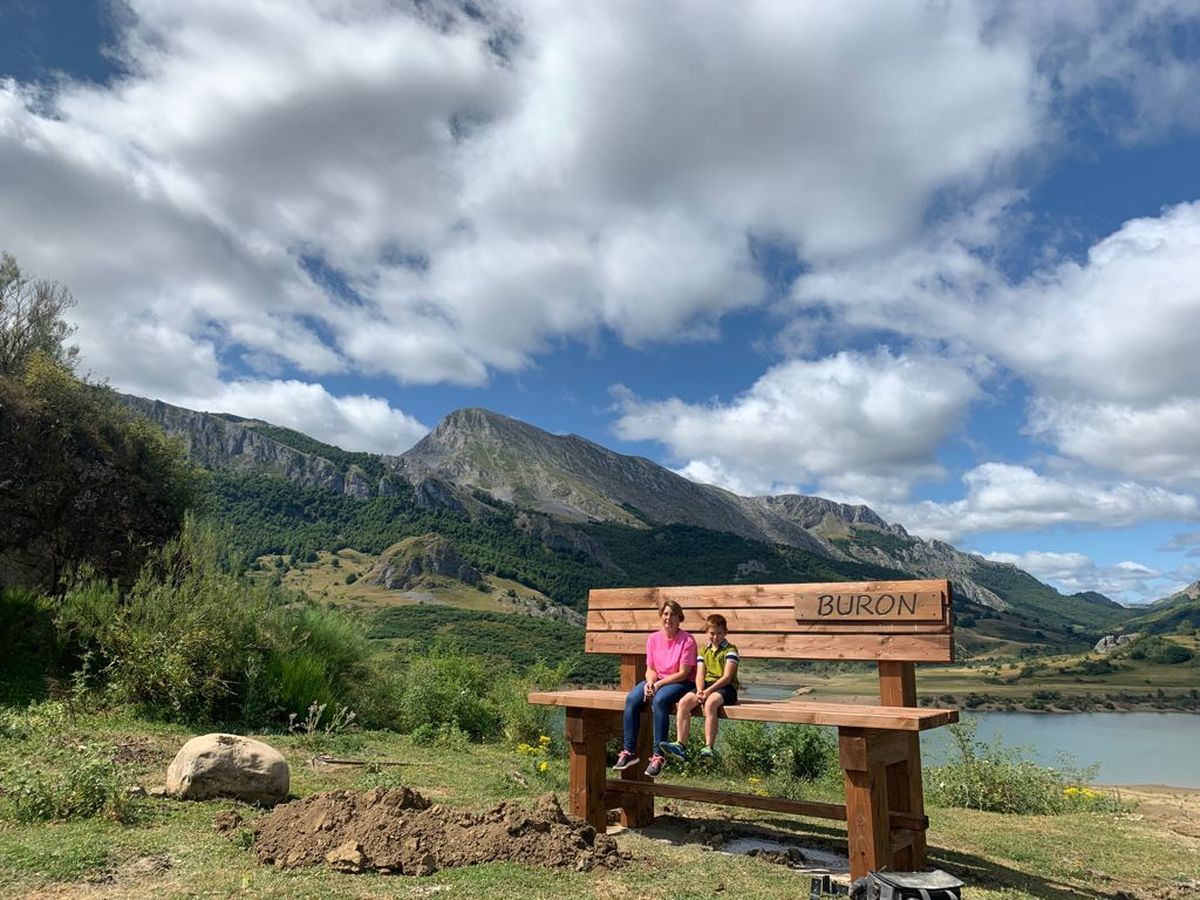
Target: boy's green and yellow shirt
{"x": 714, "y": 661}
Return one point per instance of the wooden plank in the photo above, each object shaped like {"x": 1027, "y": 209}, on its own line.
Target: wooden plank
{"x": 769, "y": 619}
{"x": 910, "y": 647}
{"x": 586, "y": 735}
{"x": 846, "y": 715}
{"x": 703, "y": 597}
{"x": 868, "y": 823}
{"x": 839, "y": 604}
{"x": 812, "y": 808}
{"x": 633, "y": 670}
{"x": 897, "y": 684}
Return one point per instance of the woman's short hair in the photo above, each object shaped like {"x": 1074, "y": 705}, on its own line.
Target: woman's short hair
{"x": 674, "y": 604}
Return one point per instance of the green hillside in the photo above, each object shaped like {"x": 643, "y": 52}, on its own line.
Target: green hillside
{"x": 1042, "y": 603}
{"x": 263, "y": 515}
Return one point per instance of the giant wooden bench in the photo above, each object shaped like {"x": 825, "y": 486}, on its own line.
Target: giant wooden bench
{"x": 894, "y": 624}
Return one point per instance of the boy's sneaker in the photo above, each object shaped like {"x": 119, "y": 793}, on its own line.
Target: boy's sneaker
{"x": 656, "y": 765}
{"x": 673, "y": 748}
{"x": 707, "y": 754}
{"x": 625, "y": 759}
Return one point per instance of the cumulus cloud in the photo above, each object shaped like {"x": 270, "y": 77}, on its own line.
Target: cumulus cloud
{"x": 1158, "y": 442}
{"x": 1106, "y": 343}
{"x": 1126, "y": 582}
{"x": 1000, "y": 496}
{"x": 356, "y": 422}
{"x": 839, "y": 421}
{"x": 486, "y": 183}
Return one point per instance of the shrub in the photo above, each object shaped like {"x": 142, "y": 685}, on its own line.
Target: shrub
{"x": 522, "y": 721}
{"x": 803, "y": 752}
{"x": 447, "y": 735}
{"x": 449, "y": 688}
{"x": 192, "y": 642}
{"x": 994, "y": 778}
{"x": 748, "y": 748}
{"x": 88, "y": 785}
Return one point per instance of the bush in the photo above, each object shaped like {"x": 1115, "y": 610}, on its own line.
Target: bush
{"x": 522, "y": 721}
{"x": 192, "y": 642}
{"x": 88, "y": 785}
{"x": 797, "y": 752}
{"x": 994, "y": 778}
{"x": 449, "y": 688}
{"x": 748, "y": 748}
{"x": 803, "y": 752}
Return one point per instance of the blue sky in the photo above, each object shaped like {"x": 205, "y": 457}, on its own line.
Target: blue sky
{"x": 940, "y": 258}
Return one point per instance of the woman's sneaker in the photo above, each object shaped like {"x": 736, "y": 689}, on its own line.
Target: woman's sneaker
{"x": 707, "y": 754}
{"x": 625, "y": 759}
{"x": 656, "y": 766}
{"x": 673, "y": 748}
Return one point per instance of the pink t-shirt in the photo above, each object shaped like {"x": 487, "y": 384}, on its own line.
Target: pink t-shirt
{"x": 666, "y": 657}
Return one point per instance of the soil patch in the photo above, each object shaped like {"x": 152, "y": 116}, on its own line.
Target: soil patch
{"x": 398, "y": 831}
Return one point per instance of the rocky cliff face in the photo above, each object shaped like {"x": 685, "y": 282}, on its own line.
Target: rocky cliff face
{"x": 574, "y": 479}
{"x": 221, "y": 444}
{"x": 862, "y": 534}
{"x": 403, "y": 565}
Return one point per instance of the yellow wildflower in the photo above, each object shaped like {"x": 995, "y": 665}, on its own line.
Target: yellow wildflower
{"x": 543, "y": 766}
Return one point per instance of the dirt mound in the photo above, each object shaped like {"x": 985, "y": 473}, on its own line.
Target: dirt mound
{"x": 398, "y": 832}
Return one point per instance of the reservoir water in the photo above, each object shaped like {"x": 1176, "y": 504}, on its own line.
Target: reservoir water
{"x": 1129, "y": 747}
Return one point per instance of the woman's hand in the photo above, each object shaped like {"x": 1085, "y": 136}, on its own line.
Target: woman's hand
{"x": 649, "y": 689}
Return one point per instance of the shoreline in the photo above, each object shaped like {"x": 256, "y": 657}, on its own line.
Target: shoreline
{"x": 1079, "y": 703}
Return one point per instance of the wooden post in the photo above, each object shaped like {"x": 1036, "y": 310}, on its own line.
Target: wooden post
{"x": 586, "y": 736}
{"x": 867, "y": 826}
{"x": 637, "y": 810}
{"x": 905, "y": 789}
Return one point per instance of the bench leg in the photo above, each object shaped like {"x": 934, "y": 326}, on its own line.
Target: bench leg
{"x": 586, "y": 734}
{"x": 905, "y": 794}
{"x": 637, "y": 811}
{"x": 867, "y": 826}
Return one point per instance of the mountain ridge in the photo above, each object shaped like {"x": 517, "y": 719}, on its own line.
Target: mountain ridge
{"x": 474, "y": 454}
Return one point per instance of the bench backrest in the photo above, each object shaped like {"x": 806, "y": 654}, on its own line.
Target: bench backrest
{"x": 893, "y": 623}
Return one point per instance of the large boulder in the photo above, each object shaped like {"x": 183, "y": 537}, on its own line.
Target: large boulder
{"x": 228, "y": 765}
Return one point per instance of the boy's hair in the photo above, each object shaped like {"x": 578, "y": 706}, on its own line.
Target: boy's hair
{"x": 716, "y": 620}
{"x": 674, "y": 604}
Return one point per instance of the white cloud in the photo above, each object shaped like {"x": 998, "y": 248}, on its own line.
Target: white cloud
{"x": 1008, "y": 497}
{"x": 604, "y": 172}
{"x": 1126, "y": 582}
{"x": 351, "y": 422}
{"x": 1118, "y": 326}
{"x": 1158, "y": 442}
{"x": 840, "y": 421}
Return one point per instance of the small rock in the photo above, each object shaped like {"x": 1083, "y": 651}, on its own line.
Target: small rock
{"x": 346, "y": 858}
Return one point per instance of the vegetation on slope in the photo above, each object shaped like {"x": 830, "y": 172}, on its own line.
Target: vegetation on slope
{"x": 1042, "y": 603}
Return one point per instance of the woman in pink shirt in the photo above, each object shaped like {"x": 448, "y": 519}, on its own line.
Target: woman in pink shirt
{"x": 670, "y": 659}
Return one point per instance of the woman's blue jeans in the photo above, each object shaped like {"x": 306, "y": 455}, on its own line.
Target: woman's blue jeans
{"x": 661, "y": 705}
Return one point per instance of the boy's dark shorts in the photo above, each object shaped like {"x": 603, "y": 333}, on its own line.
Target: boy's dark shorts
{"x": 728, "y": 694}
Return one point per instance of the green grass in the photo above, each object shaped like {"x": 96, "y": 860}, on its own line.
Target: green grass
{"x": 170, "y": 849}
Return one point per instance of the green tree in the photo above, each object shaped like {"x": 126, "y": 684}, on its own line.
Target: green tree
{"x": 31, "y": 319}
{"x": 82, "y": 480}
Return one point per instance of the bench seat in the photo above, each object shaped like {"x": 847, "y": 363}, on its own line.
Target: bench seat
{"x": 796, "y": 712}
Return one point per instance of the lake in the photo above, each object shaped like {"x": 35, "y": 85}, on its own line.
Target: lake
{"x": 1130, "y": 747}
